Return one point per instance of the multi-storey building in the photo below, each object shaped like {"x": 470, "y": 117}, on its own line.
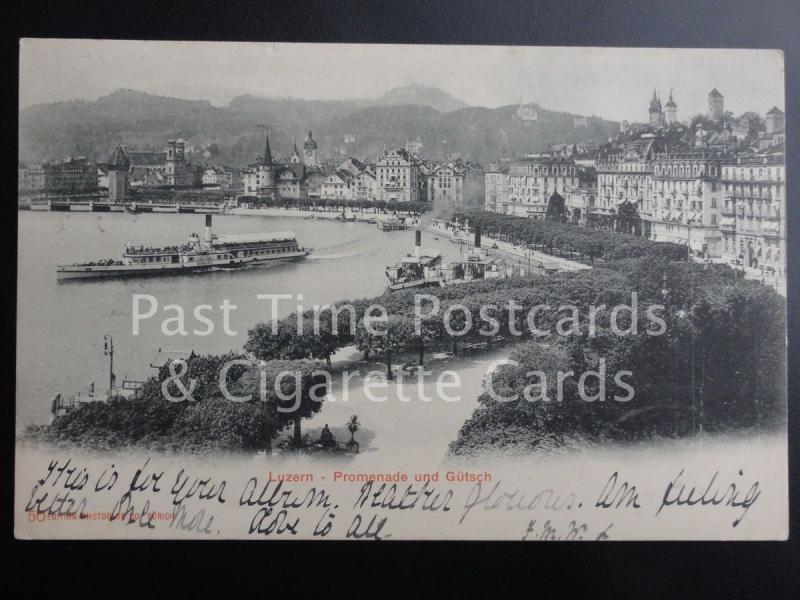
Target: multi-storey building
{"x": 365, "y": 185}
{"x": 30, "y": 179}
{"x": 456, "y": 184}
{"x": 624, "y": 175}
{"x": 75, "y": 176}
{"x": 338, "y": 185}
{"x": 581, "y": 200}
{"x": 530, "y": 183}
{"x": 496, "y": 187}
{"x": 686, "y": 202}
{"x": 753, "y": 220}
{"x": 398, "y": 176}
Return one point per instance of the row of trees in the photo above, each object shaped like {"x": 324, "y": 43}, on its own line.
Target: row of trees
{"x": 552, "y": 235}
{"x": 208, "y": 422}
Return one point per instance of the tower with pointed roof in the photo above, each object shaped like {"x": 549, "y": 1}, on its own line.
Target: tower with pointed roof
{"x": 118, "y": 170}
{"x": 295, "y": 158}
{"x": 716, "y": 105}
{"x": 656, "y": 114}
{"x": 266, "y": 171}
{"x": 670, "y": 110}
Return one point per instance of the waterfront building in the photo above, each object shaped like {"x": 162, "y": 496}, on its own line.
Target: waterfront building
{"x": 623, "y": 174}
{"x": 496, "y": 188}
{"x": 365, "y": 185}
{"x": 30, "y": 179}
{"x": 580, "y": 201}
{"x": 398, "y": 176}
{"x": 753, "y": 220}
{"x": 291, "y": 180}
{"x": 531, "y": 181}
{"x": 456, "y": 184}
{"x": 338, "y": 185}
{"x": 218, "y": 177}
{"x": 686, "y": 202}
{"x": 77, "y": 175}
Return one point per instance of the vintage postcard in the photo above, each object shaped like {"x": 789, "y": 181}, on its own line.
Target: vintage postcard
{"x": 376, "y": 292}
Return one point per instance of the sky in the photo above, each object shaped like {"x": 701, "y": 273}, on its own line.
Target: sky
{"x": 614, "y": 83}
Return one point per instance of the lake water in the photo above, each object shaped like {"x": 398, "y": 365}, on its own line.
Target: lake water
{"x": 60, "y": 326}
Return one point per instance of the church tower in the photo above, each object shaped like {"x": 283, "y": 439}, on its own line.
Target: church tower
{"x": 310, "y": 151}
{"x": 671, "y": 112}
{"x": 656, "y": 119}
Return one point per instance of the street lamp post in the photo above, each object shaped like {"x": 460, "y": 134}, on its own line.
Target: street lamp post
{"x": 108, "y": 350}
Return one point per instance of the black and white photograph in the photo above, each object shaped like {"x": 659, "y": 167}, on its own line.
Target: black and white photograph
{"x": 310, "y": 291}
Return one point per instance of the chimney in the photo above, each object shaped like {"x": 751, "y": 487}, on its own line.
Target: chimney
{"x": 207, "y": 236}
{"x": 417, "y": 242}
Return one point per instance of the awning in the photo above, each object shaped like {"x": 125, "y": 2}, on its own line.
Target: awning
{"x": 727, "y": 222}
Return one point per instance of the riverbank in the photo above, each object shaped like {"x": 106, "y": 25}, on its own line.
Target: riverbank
{"x": 518, "y": 255}
{"x": 331, "y": 215}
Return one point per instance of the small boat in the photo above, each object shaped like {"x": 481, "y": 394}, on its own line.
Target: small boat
{"x": 419, "y": 269}
{"x": 424, "y": 268}
{"x": 131, "y": 209}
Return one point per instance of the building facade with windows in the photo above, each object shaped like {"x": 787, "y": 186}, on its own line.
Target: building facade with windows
{"x": 753, "y": 221}
{"x": 686, "y": 202}
{"x": 531, "y": 181}
{"x": 398, "y": 176}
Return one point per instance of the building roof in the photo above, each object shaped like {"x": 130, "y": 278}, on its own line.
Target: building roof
{"x": 715, "y": 93}
{"x": 775, "y": 111}
{"x": 119, "y": 159}
{"x": 146, "y": 157}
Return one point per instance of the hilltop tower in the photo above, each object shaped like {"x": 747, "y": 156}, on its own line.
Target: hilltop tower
{"x": 716, "y": 105}
{"x": 310, "y": 151}
{"x": 118, "y": 169}
{"x": 671, "y": 112}
{"x": 775, "y": 120}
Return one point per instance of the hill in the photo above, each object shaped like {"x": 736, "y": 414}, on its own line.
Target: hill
{"x": 360, "y": 128}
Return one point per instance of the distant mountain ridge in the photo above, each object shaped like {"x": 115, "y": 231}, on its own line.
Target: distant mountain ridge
{"x": 359, "y": 128}
{"x": 423, "y": 96}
